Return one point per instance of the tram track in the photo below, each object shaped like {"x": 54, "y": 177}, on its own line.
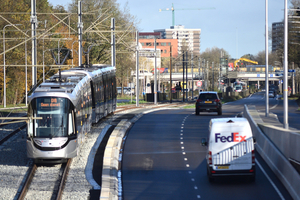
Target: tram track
{"x": 50, "y": 178}
{"x": 49, "y": 186}
{"x": 6, "y": 135}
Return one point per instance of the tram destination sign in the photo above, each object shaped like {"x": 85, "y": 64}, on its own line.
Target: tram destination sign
{"x": 52, "y": 103}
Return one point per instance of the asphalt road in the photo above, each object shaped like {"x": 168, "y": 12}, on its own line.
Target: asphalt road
{"x": 163, "y": 159}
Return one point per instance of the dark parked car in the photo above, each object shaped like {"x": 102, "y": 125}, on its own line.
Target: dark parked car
{"x": 208, "y": 101}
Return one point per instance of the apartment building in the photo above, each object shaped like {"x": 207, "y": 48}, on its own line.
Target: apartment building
{"x": 187, "y": 38}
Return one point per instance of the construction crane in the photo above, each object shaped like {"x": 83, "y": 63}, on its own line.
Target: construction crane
{"x": 173, "y": 11}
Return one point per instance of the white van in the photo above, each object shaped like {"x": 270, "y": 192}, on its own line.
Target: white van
{"x": 230, "y": 148}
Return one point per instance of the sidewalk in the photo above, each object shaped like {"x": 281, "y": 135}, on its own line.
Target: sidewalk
{"x": 273, "y": 120}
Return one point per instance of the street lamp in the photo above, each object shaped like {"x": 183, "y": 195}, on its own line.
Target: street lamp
{"x": 4, "y": 86}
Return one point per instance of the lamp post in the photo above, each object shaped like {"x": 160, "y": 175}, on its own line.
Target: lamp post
{"x": 4, "y": 86}
{"x": 267, "y": 62}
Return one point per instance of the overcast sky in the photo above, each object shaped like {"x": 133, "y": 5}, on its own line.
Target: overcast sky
{"x": 238, "y": 26}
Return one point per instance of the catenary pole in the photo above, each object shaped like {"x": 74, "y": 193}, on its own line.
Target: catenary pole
{"x": 186, "y": 76}
{"x": 137, "y": 70}
{"x": 33, "y": 20}
{"x": 192, "y": 67}
{"x": 113, "y": 45}
{"x": 170, "y": 73}
{"x": 80, "y": 27}
{"x": 155, "y": 73}
{"x": 183, "y": 77}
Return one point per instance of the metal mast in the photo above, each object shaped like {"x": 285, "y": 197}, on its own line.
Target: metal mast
{"x": 80, "y": 27}
{"x": 33, "y": 20}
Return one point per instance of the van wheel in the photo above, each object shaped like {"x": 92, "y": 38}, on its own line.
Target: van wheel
{"x": 210, "y": 178}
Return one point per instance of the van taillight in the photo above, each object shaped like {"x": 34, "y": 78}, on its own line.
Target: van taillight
{"x": 253, "y": 157}
{"x": 209, "y": 158}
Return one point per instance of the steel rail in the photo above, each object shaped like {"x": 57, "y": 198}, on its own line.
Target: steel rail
{"x": 27, "y": 182}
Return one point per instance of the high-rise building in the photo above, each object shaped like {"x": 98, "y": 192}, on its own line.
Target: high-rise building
{"x": 277, "y": 35}
{"x": 188, "y": 39}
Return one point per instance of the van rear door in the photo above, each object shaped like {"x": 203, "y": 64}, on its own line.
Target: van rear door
{"x": 231, "y": 146}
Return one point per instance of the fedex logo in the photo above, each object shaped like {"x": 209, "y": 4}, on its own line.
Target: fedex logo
{"x": 235, "y": 137}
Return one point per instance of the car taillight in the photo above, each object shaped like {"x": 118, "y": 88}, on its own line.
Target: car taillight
{"x": 253, "y": 157}
{"x": 199, "y": 100}
{"x": 217, "y": 100}
{"x": 209, "y": 158}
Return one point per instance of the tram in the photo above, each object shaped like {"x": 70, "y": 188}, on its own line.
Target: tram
{"x": 68, "y": 103}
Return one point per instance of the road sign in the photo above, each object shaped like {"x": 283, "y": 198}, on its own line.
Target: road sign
{"x": 199, "y": 83}
{"x": 291, "y": 70}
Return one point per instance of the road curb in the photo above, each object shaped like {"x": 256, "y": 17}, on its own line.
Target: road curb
{"x": 111, "y": 162}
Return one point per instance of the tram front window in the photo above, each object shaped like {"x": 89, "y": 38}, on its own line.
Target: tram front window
{"x": 54, "y": 112}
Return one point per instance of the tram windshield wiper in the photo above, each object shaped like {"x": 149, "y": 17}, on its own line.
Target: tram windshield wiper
{"x": 59, "y": 128}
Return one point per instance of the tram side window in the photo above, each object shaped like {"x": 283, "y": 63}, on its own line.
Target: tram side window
{"x": 30, "y": 124}
{"x": 70, "y": 128}
{"x": 78, "y": 116}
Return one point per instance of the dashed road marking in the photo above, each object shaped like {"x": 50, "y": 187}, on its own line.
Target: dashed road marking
{"x": 184, "y": 153}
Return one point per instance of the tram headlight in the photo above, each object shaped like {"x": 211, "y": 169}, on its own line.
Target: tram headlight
{"x": 38, "y": 142}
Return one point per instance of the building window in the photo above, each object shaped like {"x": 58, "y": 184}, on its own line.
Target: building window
{"x": 169, "y": 43}
{"x": 165, "y": 51}
{"x": 163, "y": 44}
{"x": 143, "y": 44}
{"x": 148, "y": 44}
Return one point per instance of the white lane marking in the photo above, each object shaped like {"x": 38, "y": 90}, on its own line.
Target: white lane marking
{"x": 183, "y": 153}
{"x": 272, "y": 183}
{"x": 181, "y": 142}
{"x": 196, "y": 188}
{"x": 190, "y": 172}
{"x": 192, "y": 179}
{"x": 187, "y": 165}
{"x": 275, "y": 104}
{"x": 198, "y": 196}
{"x": 185, "y": 159}
{"x": 181, "y": 138}
{"x": 182, "y": 147}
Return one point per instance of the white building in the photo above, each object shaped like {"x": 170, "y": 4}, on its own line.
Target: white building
{"x": 185, "y": 37}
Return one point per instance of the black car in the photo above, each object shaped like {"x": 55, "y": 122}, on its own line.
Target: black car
{"x": 208, "y": 101}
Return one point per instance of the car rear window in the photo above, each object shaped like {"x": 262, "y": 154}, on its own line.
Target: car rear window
{"x": 207, "y": 96}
